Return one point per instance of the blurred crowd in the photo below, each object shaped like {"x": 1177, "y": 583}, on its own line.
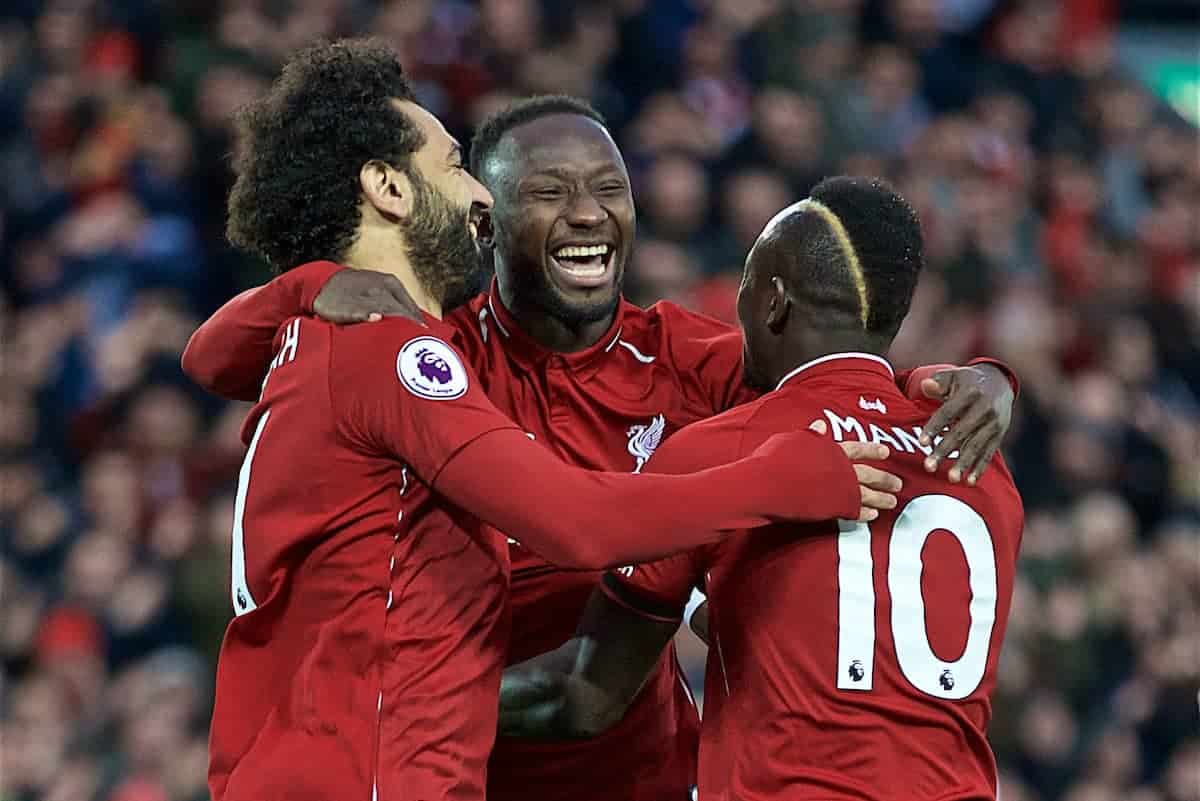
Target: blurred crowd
{"x": 1062, "y": 210}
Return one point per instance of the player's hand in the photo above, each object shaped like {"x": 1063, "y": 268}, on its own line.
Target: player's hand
{"x": 530, "y": 701}
{"x": 977, "y": 407}
{"x": 876, "y": 487}
{"x": 364, "y": 296}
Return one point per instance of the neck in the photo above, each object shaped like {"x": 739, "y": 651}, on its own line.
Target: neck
{"x": 549, "y": 331}
{"x": 378, "y": 250}
{"x": 806, "y": 349}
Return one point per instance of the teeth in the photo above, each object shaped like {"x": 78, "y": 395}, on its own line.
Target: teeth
{"x": 581, "y": 252}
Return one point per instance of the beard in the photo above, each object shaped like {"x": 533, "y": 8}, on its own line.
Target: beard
{"x": 573, "y": 314}
{"x": 535, "y": 289}
{"x": 443, "y": 254}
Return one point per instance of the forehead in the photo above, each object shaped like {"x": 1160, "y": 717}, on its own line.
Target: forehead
{"x": 761, "y": 253}
{"x": 430, "y": 126}
{"x": 562, "y": 142}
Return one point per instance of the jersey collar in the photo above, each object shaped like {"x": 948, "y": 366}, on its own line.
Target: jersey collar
{"x": 442, "y": 329}
{"x": 840, "y": 363}
{"x": 528, "y": 350}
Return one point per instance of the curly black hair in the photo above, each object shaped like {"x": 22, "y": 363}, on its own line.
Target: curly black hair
{"x": 885, "y": 232}
{"x": 299, "y": 150}
{"x": 491, "y": 130}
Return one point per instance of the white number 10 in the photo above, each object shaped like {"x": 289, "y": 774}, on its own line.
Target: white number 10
{"x": 856, "y": 599}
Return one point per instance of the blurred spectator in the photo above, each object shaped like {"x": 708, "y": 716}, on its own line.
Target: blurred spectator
{"x": 1059, "y": 200}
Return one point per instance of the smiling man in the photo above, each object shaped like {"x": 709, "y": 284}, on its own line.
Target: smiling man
{"x": 595, "y": 378}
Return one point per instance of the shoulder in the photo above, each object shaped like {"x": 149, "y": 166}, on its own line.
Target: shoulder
{"x": 784, "y": 409}
{"x": 425, "y": 359}
{"x": 676, "y": 324}
{"x": 382, "y": 334}
{"x": 688, "y": 339}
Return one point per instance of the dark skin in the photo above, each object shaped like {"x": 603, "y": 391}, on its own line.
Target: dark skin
{"x": 559, "y": 178}
{"x": 561, "y": 181}
{"x": 615, "y": 650}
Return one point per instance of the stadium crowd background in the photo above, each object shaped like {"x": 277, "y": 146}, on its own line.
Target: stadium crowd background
{"x": 1062, "y": 205}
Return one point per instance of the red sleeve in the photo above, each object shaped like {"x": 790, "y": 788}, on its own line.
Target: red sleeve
{"x": 403, "y": 391}
{"x": 593, "y": 520}
{"x": 660, "y": 590}
{"x": 909, "y": 381}
{"x": 229, "y": 354}
{"x": 399, "y": 390}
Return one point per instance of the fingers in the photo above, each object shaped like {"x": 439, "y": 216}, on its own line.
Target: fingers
{"x": 520, "y": 688}
{"x": 342, "y": 316}
{"x": 864, "y": 451}
{"x": 875, "y": 491}
{"x": 876, "y": 479}
{"x": 961, "y": 432}
{"x": 975, "y": 454}
{"x": 937, "y": 386}
{"x": 404, "y": 303}
{"x": 958, "y": 405}
{"x": 873, "y": 502}
{"x": 942, "y": 384}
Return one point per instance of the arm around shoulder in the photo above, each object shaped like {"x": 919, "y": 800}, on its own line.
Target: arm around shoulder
{"x": 229, "y": 353}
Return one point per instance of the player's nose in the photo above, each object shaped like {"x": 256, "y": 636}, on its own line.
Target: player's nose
{"x": 479, "y": 193}
{"x": 585, "y": 210}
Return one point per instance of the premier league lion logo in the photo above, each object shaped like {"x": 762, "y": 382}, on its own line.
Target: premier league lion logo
{"x": 429, "y": 368}
{"x": 947, "y": 680}
{"x": 856, "y": 670}
{"x": 433, "y": 366}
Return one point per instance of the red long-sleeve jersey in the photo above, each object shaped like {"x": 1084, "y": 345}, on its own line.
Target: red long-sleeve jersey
{"x": 371, "y": 601}
{"x": 605, "y": 408}
{"x": 848, "y": 661}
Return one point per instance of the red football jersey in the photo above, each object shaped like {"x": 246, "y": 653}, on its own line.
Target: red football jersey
{"x": 606, "y": 408}
{"x": 365, "y": 657}
{"x": 371, "y": 619}
{"x": 858, "y": 662}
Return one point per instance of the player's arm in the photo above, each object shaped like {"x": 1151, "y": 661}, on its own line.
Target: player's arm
{"x": 587, "y": 685}
{"x": 591, "y": 520}
{"x": 230, "y": 352}
{"x": 610, "y": 657}
{"x": 434, "y": 417}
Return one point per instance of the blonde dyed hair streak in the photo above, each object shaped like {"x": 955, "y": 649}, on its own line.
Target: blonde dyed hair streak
{"x": 847, "y": 247}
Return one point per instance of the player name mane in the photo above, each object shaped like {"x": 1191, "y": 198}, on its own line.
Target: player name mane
{"x": 896, "y": 438}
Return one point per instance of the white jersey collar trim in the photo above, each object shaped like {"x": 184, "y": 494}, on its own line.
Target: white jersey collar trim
{"x": 834, "y": 357}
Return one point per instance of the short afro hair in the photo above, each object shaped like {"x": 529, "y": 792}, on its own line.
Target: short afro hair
{"x": 299, "y": 150}
{"x": 878, "y": 274}
{"x": 492, "y": 130}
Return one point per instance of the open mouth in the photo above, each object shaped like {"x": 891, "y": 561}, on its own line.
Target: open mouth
{"x": 584, "y": 265}
{"x": 479, "y": 222}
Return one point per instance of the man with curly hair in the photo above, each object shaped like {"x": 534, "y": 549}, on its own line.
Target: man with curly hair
{"x": 370, "y": 591}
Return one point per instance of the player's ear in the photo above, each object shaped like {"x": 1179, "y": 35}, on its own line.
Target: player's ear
{"x": 779, "y": 305}
{"x": 388, "y": 190}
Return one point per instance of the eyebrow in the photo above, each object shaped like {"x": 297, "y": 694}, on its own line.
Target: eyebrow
{"x": 568, "y": 175}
